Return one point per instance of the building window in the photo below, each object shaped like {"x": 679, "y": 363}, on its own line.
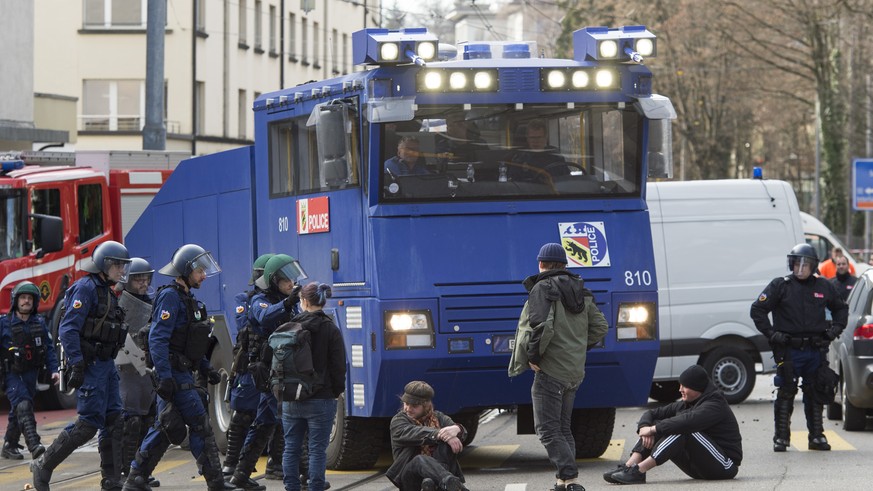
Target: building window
{"x": 345, "y": 61}
{"x": 243, "y": 23}
{"x": 304, "y": 41}
{"x": 272, "y": 29}
{"x": 334, "y": 60}
{"x": 201, "y": 16}
{"x": 113, "y": 105}
{"x": 316, "y": 45}
{"x": 200, "y": 104}
{"x": 90, "y": 211}
{"x": 102, "y": 14}
{"x": 243, "y": 114}
{"x": 259, "y": 26}
{"x": 292, "y": 38}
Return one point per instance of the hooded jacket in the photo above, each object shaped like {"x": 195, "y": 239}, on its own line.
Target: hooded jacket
{"x": 709, "y": 414}
{"x": 558, "y": 323}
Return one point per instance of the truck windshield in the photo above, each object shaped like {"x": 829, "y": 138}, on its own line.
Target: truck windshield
{"x": 499, "y": 151}
{"x": 12, "y": 231}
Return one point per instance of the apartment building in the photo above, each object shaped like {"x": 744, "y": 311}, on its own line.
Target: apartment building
{"x": 219, "y": 56}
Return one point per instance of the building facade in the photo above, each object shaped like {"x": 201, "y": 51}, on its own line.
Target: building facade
{"x": 219, "y": 56}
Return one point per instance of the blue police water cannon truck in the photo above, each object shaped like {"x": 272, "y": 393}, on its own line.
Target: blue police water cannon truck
{"x": 421, "y": 188}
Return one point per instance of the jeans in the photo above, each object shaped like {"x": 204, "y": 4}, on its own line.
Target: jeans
{"x": 316, "y": 416}
{"x": 552, "y": 412}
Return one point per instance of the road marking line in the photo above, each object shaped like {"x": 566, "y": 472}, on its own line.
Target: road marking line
{"x": 488, "y": 456}
{"x": 515, "y": 487}
{"x": 613, "y": 452}
{"x": 837, "y": 443}
{"x": 22, "y": 474}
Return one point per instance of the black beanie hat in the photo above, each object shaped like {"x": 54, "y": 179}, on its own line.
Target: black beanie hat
{"x": 695, "y": 378}
{"x": 552, "y": 253}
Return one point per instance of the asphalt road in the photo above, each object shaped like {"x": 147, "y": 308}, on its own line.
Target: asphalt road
{"x": 501, "y": 460}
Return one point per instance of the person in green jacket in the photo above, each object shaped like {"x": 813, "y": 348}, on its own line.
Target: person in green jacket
{"x": 558, "y": 323}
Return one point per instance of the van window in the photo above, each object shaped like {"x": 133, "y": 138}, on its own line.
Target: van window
{"x": 90, "y": 212}
{"x": 821, "y": 245}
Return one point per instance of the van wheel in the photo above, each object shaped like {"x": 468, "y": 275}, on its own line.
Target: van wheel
{"x": 355, "y": 443}
{"x": 666, "y": 391}
{"x": 470, "y": 422}
{"x": 854, "y": 418}
{"x": 592, "y": 430}
{"x": 733, "y": 372}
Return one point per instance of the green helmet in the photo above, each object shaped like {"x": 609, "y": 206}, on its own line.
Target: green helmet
{"x": 25, "y": 287}
{"x": 258, "y": 266}
{"x": 281, "y": 266}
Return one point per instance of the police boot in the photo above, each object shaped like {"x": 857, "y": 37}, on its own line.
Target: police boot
{"x": 138, "y": 477}
{"x": 250, "y": 454}
{"x": 110, "y": 449}
{"x": 236, "y": 435}
{"x": 130, "y": 441}
{"x": 10, "y": 446}
{"x": 24, "y": 413}
{"x": 782, "y": 409}
{"x": 277, "y": 448}
{"x": 815, "y": 426}
{"x": 148, "y": 421}
{"x": 209, "y": 461}
{"x": 58, "y": 451}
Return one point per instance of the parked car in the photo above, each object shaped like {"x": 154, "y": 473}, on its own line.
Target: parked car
{"x": 851, "y": 356}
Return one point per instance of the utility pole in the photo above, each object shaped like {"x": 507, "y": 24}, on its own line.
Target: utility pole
{"x": 154, "y": 133}
{"x": 869, "y": 149}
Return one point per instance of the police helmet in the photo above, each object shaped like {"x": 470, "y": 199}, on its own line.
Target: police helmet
{"x": 189, "y": 258}
{"x": 107, "y": 255}
{"x": 258, "y": 266}
{"x": 802, "y": 251}
{"x": 139, "y": 267}
{"x": 25, "y": 288}
{"x": 281, "y": 266}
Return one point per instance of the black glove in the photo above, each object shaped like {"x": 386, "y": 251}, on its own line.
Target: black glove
{"x": 292, "y": 299}
{"x": 831, "y": 333}
{"x": 213, "y": 377}
{"x": 779, "y": 338}
{"x": 77, "y": 375}
{"x": 166, "y": 389}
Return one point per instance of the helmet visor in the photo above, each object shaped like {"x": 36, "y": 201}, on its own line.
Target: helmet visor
{"x": 206, "y": 263}
{"x": 116, "y": 268}
{"x": 292, "y": 271}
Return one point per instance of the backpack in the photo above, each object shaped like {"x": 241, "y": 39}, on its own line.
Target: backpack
{"x": 292, "y": 375}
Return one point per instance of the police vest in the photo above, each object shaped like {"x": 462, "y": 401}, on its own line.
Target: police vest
{"x": 189, "y": 344}
{"x": 28, "y": 351}
{"x": 104, "y": 330}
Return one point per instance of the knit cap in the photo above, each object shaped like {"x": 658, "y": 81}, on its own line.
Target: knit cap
{"x": 552, "y": 253}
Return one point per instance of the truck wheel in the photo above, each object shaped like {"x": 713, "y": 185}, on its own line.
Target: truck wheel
{"x": 592, "y": 430}
{"x": 666, "y": 391}
{"x": 854, "y": 418}
{"x": 355, "y": 443}
{"x": 470, "y": 421}
{"x": 219, "y": 411}
{"x": 733, "y": 372}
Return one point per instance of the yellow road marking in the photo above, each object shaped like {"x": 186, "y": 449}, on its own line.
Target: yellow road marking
{"x": 613, "y": 452}
{"x": 488, "y": 456}
{"x": 799, "y": 439}
{"x": 21, "y": 474}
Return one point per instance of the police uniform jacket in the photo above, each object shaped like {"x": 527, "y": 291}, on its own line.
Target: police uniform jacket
{"x": 407, "y": 438}
{"x": 844, "y": 285}
{"x": 798, "y": 307}
{"x": 9, "y": 321}
{"x": 80, "y": 302}
{"x": 709, "y": 414}
{"x": 267, "y": 312}
{"x": 170, "y": 313}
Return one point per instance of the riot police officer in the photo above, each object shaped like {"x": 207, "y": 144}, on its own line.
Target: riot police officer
{"x": 270, "y": 308}
{"x": 177, "y": 343}
{"x": 26, "y": 347}
{"x": 243, "y": 394}
{"x": 91, "y": 332}
{"x": 137, "y": 388}
{"x": 799, "y": 337}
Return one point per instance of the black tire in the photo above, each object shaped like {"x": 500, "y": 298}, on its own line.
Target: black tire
{"x": 219, "y": 411}
{"x": 834, "y": 410}
{"x": 470, "y": 422}
{"x": 854, "y": 418}
{"x": 54, "y": 398}
{"x": 592, "y": 430}
{"x": 733, "y": 371}
{"x": 666, "y": 391}
{"x": 355, "y": 443}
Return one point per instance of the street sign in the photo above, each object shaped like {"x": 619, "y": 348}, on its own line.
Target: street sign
{"x": 862, "y": 184}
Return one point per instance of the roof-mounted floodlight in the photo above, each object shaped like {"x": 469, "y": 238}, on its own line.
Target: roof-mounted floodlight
{"x": 628, "y": 43}
{"x": 391, "y": 47}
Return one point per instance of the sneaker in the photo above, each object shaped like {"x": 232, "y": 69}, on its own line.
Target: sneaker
{"x": 428, "y": 485}
{"x": 819, "y": 443}
{"x": 452, "y": 483}
{"x": 780, "y": 444}
{"x": 607, "y": 476}
{"x": 10, "y": 451}
{"x": 631, "y": 475}
{"x": 574, "y": 487}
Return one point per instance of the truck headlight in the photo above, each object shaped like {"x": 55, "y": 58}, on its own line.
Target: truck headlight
{"x": 408, "y": 330}
{"x": 635, "y": 321}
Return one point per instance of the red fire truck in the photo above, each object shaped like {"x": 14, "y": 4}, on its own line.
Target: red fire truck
{"x": 56, "y": 207}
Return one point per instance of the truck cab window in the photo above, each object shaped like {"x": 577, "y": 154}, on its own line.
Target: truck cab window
{"x": 12, "y": 216}
{"x": 45, "y": 201}
{"x": 90, "y": 212}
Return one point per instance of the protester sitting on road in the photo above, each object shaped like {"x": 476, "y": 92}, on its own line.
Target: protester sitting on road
{"x": 699, "y": 434}
{"x": 425, "y": 444}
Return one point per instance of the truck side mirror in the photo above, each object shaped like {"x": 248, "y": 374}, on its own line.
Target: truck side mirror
{"x": 660, "y": 154}
{"x": 331, "y": 136}
{"x": 48, "y": 232}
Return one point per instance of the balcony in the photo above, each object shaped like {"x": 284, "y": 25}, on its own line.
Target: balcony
{"x": 120, "y": 123}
